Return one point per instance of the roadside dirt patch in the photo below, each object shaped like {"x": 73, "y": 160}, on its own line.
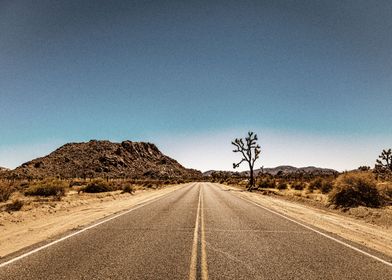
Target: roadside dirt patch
{"x": 360, "y": 229}
{"x": 42, "y": 219}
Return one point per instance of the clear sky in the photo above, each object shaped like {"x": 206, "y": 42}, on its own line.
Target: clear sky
{"x": 312, "y": 78}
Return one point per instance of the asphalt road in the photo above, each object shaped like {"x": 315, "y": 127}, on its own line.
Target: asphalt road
{"x": 198, "y": 232}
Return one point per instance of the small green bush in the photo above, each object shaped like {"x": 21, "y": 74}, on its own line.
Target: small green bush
{"x": 355, "y": 189}
{"x": 15, "y": 205}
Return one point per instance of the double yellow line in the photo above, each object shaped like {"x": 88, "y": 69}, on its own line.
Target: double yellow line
{"x": 203, "y": 264}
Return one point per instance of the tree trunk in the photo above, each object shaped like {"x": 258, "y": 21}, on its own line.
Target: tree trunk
{"x": 252, "y": 180}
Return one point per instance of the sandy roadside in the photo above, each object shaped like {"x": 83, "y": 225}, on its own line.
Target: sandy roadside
{"x": 41, "y": 221}
{"x": 370, "y": 235}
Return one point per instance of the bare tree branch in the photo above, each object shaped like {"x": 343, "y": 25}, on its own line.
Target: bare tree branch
{"x": 250, "y": 151}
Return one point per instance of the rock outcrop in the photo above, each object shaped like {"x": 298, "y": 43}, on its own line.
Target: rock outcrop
{"x": 105, "y": 159}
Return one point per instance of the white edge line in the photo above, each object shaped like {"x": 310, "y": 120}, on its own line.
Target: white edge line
{"x": 85, "y": 229}
{"x": 319, "y": 232}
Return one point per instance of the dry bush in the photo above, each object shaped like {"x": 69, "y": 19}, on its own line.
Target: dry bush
{"x": 15, "y": 205}
{"x": 282, "y": 186}
{"x": 316, "y": 184}
{"x": 385, "y": 190}
{"x": 299, "y": 186}
{"x": 324, "y": 185}
{"x": 47, "y": 187}
{"x": 266, "y": 184}
{"x": 128, "y": 189}
{"x": 355, "y": 189}
{"x": 76, "y": 183}
{"x": 6, "y": 191}
{"x": 98, "y": 185}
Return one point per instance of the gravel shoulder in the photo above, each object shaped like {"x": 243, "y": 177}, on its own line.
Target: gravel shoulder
{"x": 40, "y": 220}
{"x": 359, "y": 229}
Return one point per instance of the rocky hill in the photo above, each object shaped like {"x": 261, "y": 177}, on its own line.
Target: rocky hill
{"x": 3, "y": 170}
{"x": 105, "y": 159}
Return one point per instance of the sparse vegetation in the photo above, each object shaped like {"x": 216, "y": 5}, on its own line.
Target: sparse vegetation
{"x": 326, "y": 186}
{"x": 356, "y": 189}
{"x": 385, "y": 190}
{"x": 282, "y": 186}
{"x": 323, "y": 185}
{"x": 45, "y": 190}
{"x": 97, "y": 186}
{"x": 266, "y": 184}
{"x": 299, "y": 186}
{"x": 316, "y": 184}
{"x": 6, "y": 191}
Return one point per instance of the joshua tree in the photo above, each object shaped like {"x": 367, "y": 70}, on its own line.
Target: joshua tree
{"x": 384, "y": 163}
{"x": 250, "y": 151}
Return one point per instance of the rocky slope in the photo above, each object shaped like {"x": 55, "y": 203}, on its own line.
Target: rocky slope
{"x": 105, "y": 159}
{"x": 3, "y": 170}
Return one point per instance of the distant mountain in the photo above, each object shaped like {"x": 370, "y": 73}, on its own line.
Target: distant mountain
{"x": 104, "y": 158}
{"x": 284, "y": 169}
{"x": 287, "y": 169}
{"x": 219, "y": 173}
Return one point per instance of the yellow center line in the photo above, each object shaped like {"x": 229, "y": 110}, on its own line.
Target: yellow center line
{"x": 193, "y": 267}
{"x": 204, "y": 267}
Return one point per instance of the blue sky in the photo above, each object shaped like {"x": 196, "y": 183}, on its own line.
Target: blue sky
{"x": 312, "y": 78}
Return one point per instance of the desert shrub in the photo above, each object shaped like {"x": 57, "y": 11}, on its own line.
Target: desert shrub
{"x": 355, "y": 189}
{"x": 266, "y": 184}
{"x": 45, "y": 190}
{"x": 385, "y": 190}
{"x": 299, "y": 186}
{"x": 316, "y": 184}
{"x": 282, "y": 186}
{"x": 128, "y": 189}
{"x": 76, "y": 183}
{"x": 97, "y": 186}
{"x": 6, "y": 191}
{"x": 326, "y": 186}
{"x": 15, "y": 205}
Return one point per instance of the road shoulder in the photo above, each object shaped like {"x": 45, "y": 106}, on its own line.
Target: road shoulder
{"x": 19, "y": 230}
{"x": 372, "y": 236}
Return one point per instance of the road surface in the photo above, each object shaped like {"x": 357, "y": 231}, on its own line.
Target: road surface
{"x": 200, "y": 231}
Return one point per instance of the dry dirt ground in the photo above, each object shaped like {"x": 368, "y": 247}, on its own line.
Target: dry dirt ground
{"x": 368, "y": 227}
{"x": 43, "y": 219}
